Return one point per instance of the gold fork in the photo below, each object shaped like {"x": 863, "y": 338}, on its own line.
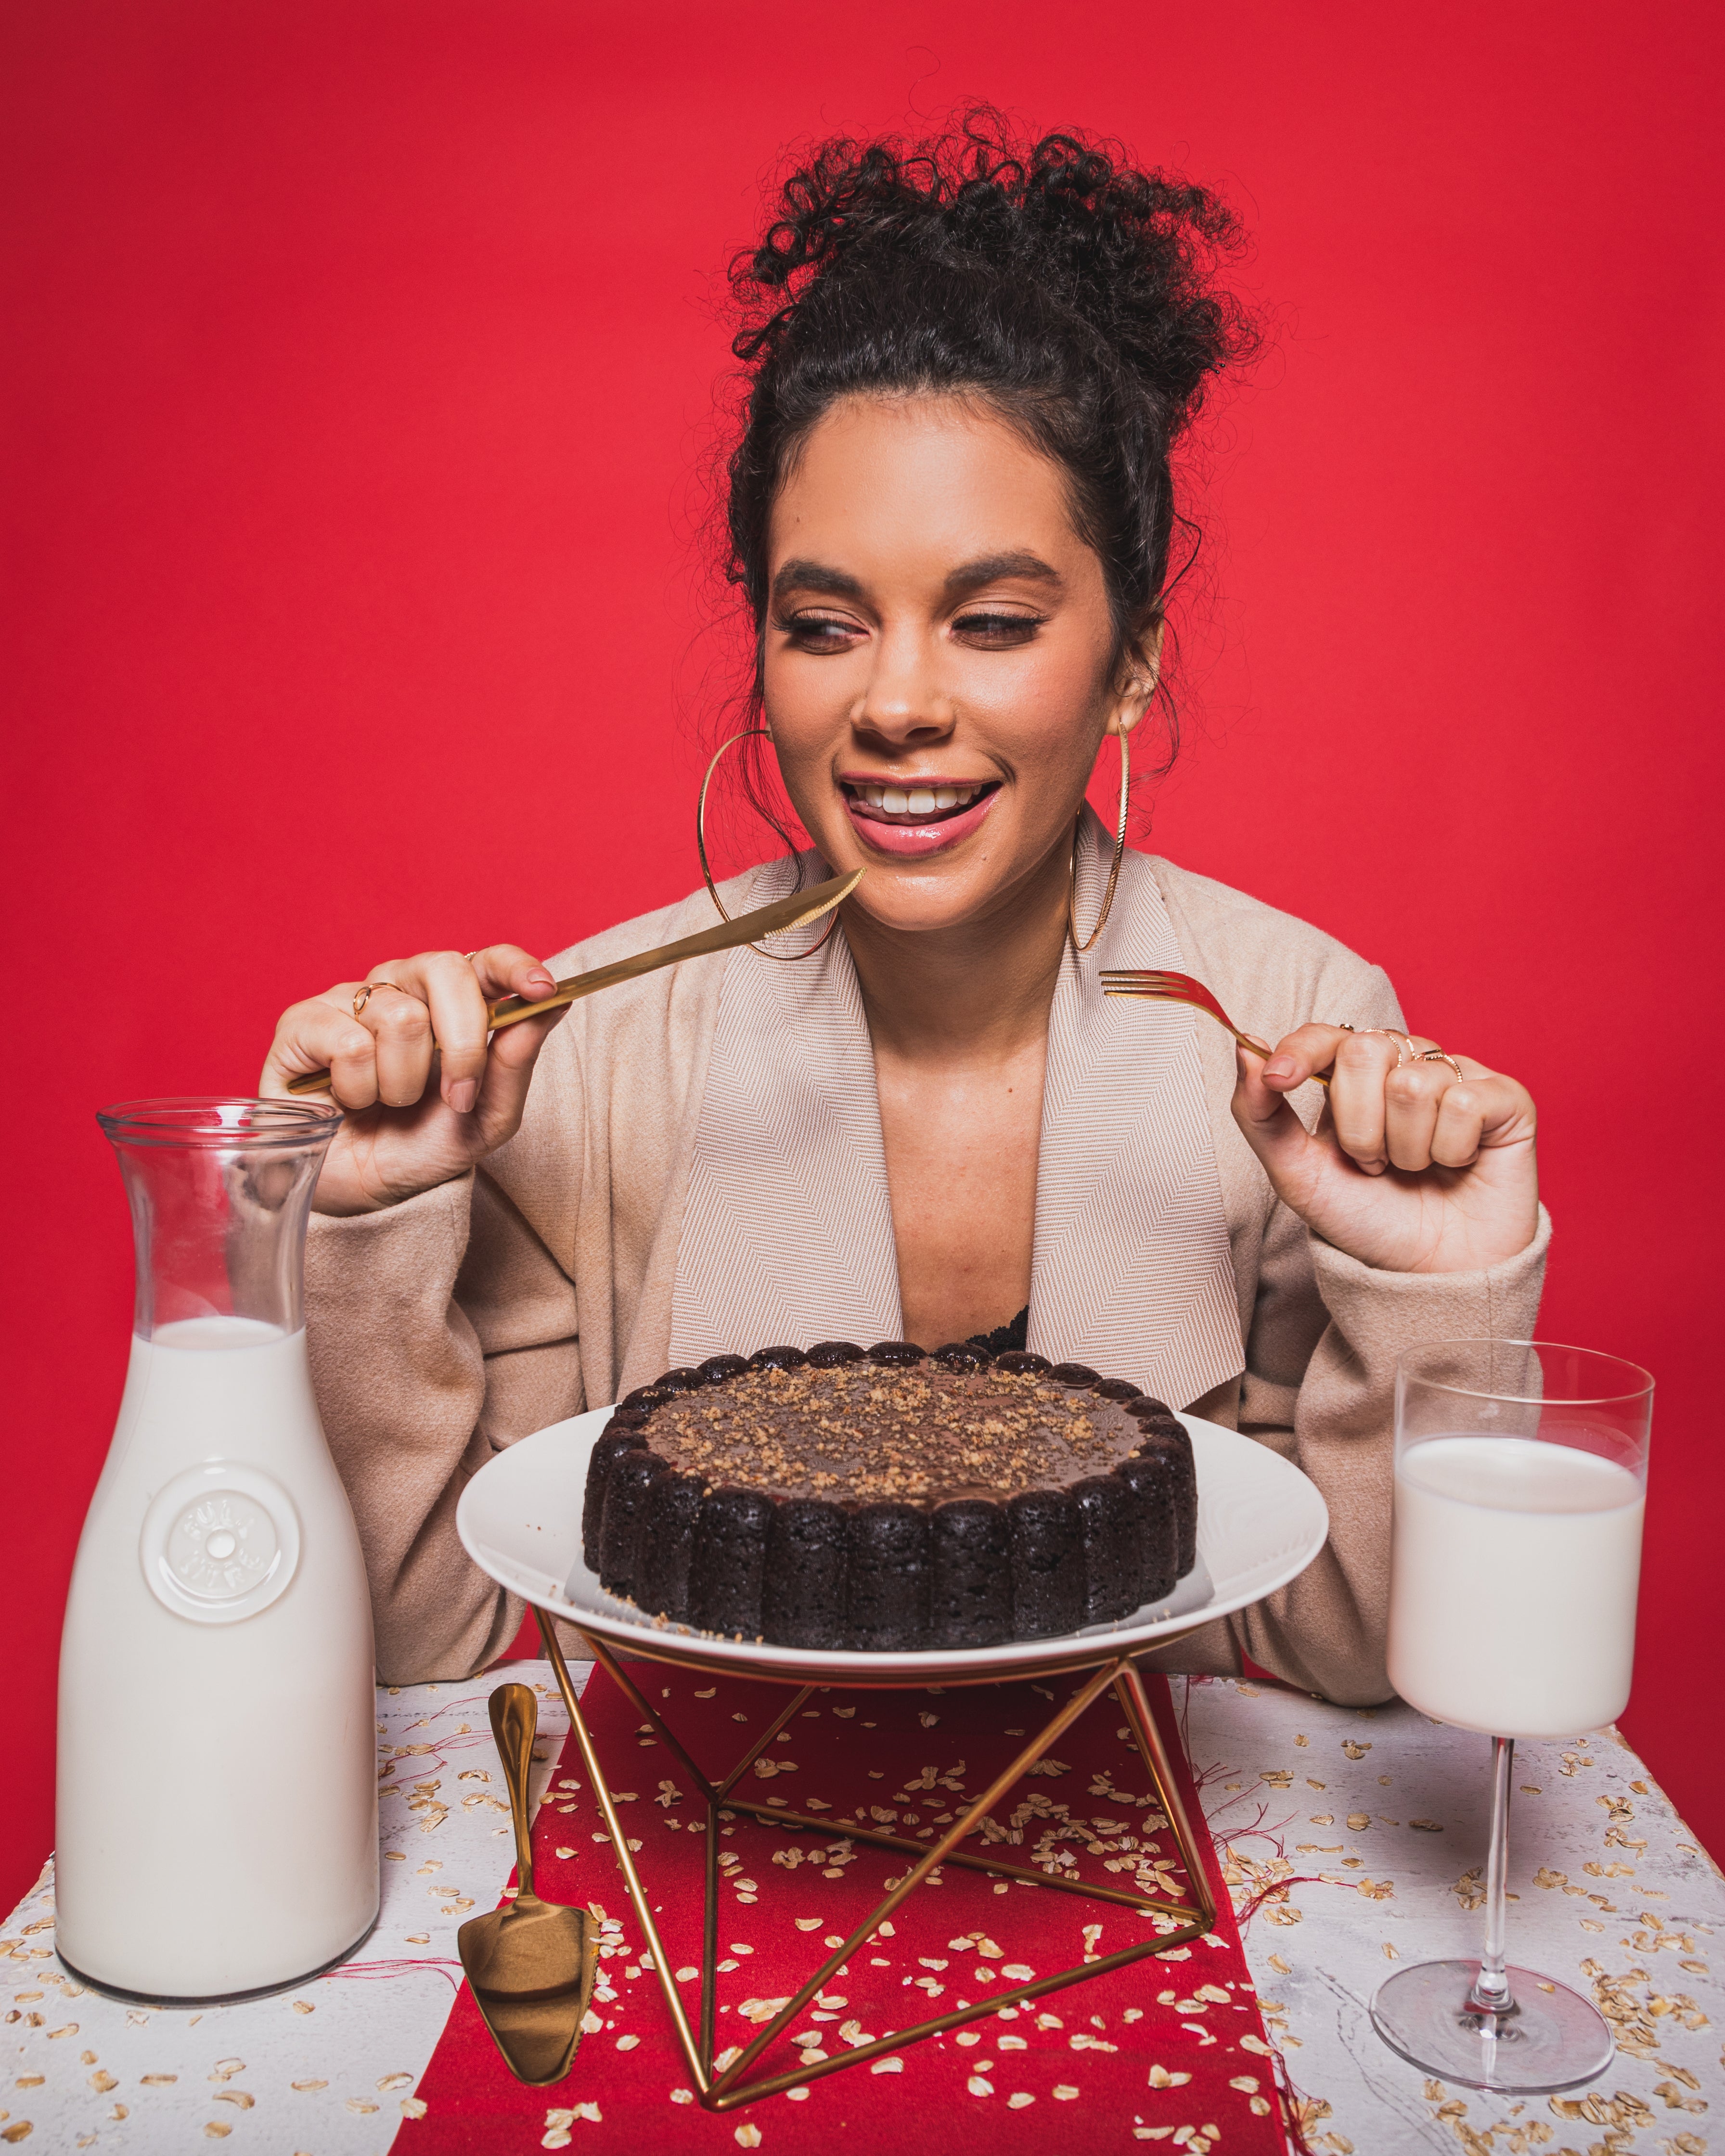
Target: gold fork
{"x": 1156, "y": 985}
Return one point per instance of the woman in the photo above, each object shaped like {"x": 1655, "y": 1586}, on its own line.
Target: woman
{"x": 949, "y": 514}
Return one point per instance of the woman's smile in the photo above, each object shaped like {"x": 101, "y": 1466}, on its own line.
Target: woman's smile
{"x": 912, "y": 814}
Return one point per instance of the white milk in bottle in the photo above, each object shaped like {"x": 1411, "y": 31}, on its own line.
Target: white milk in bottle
{"x": 216, "y": 1827}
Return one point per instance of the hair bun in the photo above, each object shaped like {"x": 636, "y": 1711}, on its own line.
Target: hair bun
{"x": 1132, "y": 254}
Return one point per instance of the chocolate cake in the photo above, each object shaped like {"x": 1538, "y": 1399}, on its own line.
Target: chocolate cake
{"x": 886, "y": 1499}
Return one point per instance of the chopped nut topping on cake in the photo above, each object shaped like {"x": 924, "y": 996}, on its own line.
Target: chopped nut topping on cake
{"x": 922, "y": 1435}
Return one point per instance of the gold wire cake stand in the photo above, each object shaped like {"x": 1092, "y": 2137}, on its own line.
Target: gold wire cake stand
{"x": 723, "y": 2088}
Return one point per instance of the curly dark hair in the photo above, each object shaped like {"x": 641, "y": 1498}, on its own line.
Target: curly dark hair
{"x": 1076, "y": 293}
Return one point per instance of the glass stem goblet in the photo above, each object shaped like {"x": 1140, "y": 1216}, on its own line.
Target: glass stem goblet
{"x": 1520, "y": 1478}
{"x": 1490, "y": 1995}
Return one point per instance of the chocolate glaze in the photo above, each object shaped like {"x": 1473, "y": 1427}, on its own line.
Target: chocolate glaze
{"x": 1073, "y": 1373}
{"x": 835, "y": 1354}
{"x": 777, "y": 1358}
{"x": 961, "y": 1355}
{"x": 1020, "y": 1362}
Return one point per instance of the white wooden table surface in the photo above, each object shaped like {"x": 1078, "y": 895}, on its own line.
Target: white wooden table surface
{"x": 1370, "y": 1826}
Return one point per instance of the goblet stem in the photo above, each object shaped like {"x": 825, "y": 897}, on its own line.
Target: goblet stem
{"x": 1490, "y": 1993}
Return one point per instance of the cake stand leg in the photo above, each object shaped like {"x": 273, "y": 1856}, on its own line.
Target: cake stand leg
{"x": 619, "y": 1841}
{"x": 727, "y": 2090}
{"x": 713, "y": 1799}
{"x": 1129, "y": 1690}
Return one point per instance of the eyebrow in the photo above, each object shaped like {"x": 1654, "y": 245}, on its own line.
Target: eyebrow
{"x": 803, "y": 575}
{"x": 989, "y": 568}
{"x": 807, "y": 576}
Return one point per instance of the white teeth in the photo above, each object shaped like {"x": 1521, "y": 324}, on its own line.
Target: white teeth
{"x": 917, "y": 800}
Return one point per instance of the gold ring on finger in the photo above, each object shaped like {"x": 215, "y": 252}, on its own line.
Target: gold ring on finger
{"x": 1441, "y": 1055}
{"x": 368, "y": 989}
{"x": 1405, "y": 1051}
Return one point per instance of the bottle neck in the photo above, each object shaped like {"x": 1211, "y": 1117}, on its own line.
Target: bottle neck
{"x": 219, "y": 1234}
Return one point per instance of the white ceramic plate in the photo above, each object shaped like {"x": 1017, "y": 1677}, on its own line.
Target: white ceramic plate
{"x": 1260, "y": 1522}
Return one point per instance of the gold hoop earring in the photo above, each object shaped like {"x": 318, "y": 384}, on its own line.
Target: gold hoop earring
{"x": 784, "y": 958}
{"x": 1126, "y": 776}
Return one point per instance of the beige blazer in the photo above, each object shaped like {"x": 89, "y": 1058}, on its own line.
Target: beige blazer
{"x": 700, "y": 1171}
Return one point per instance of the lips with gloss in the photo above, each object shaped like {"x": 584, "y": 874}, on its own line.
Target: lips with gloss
{"x": 915, "y": 818}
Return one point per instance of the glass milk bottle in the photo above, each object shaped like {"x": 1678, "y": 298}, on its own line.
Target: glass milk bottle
{"x": 216, "y": 1815}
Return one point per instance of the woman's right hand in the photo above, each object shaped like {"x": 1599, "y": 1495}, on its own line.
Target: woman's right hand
{"x": 399, "y": 1138}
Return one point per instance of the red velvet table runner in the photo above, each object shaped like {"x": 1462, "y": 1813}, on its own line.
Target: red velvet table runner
{"x": 1169, "y": 2051}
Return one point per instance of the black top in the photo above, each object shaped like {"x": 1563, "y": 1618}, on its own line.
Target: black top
{"x": 1014, "y": 1334}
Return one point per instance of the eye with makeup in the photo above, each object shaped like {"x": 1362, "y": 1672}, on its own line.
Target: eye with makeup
{"x": 990, "y": 629}
{"x": 819, "y": 632}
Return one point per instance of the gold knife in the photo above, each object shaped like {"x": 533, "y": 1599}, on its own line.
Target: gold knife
{"x": 801, "y": 907}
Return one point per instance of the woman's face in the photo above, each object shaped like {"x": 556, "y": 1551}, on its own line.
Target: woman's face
{"x": 938, "y": 656}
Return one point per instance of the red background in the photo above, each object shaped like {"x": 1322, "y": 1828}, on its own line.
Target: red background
{"x": 356, "y": 361}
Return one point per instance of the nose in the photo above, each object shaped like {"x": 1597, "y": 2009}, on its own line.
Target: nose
{"x": 903, "y": 703}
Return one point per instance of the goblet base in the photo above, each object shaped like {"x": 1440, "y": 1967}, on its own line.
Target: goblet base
{"x": 1550, "y": 2038}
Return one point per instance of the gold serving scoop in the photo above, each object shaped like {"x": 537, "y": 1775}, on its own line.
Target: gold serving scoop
{"x": 530, "y": 1964}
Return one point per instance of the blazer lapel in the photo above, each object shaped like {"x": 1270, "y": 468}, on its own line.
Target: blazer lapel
{"x": 786, "y": 1233}
{"x": 1131, "y": 1271}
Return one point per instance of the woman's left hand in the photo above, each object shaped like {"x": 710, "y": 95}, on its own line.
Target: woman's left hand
{"x": 1410, "y": 1169}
